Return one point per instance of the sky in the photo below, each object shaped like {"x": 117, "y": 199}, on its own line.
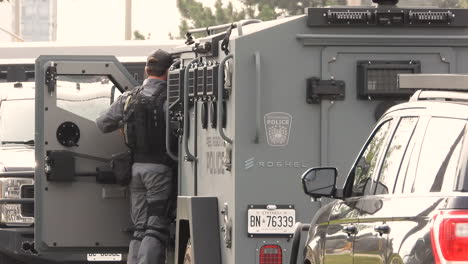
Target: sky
{"x": 104, "y": 20}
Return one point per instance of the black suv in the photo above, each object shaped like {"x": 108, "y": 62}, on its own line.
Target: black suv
{"x": 405, "y": 198}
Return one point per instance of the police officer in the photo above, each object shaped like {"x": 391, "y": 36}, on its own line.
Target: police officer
{"x": 140, "y": 113}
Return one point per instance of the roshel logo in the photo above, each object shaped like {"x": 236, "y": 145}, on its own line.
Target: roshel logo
{"x": 277, "y": 127}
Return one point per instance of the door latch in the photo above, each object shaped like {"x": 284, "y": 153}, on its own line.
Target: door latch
{"x": 318, "y": 90}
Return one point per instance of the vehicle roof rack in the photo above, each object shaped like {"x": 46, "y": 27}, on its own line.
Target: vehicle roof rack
{"x": 449, "y": 87}
{"x": 210, "y": 30}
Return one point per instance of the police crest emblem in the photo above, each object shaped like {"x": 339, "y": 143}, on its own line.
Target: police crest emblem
{"x": 277, "y": 127}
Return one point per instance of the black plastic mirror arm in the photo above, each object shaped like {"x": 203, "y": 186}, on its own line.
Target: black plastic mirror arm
{"x": 221, "y": 98}
{"x": 298, "y": 229}
{"x": 168, "y": 128}
{"x": 189, "y": 155}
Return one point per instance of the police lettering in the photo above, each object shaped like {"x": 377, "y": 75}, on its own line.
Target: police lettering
{"x": 278, "y": 122}
{"x": 215, "y": 162}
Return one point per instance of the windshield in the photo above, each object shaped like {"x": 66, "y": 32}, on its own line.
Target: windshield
{"x": 16, "y": 112}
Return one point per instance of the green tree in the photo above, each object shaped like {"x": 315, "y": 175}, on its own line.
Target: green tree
{"x": 440, "y": 3}
{"x": 138, "y": 36}
{"x": 452, "y": 3}
{"x": 288, "y": 7}
{"x": 196, "y": 15}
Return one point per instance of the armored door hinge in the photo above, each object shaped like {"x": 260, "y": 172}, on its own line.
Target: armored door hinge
{"x": 51, "y": 78}
{"x": 318, "y": 90}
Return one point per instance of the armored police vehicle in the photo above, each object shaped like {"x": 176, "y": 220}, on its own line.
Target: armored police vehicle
{"x": 252, "y": 106}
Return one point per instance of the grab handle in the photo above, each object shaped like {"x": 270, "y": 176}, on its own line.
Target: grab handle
{"x": 168, "y": 122}
{"x": 190, "y": 156}
{"x": 221, "y": 98}
{"x": 258, "y": 116}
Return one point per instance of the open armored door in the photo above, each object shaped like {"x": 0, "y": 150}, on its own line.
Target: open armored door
{"x": 73, "y": 210}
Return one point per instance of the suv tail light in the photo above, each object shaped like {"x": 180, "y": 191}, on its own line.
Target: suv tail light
{"x": 449, "y": 236}
{"x": 271, "y": 254}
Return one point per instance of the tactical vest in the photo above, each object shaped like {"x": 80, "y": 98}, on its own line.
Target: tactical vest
{"x": 144, "y": 125}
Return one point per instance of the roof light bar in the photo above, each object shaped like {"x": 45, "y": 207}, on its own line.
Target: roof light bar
{"x": 387, "y": 16}
{"x": 447, "y": 82}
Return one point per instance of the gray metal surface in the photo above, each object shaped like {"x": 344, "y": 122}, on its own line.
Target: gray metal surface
{"x": 78, "y": 215}
{"x": 385, "y": 40}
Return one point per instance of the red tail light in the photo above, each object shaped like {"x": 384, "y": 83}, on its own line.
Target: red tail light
{"x": 271, "y": 254}
{"x": 449, "y": 236}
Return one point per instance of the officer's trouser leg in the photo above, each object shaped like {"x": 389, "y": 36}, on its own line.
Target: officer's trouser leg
{"x": 138, "y": 214}
{"x": 157, "y": 181}
{"x": 133, "y": 249}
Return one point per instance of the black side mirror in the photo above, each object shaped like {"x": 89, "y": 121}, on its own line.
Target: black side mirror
{"x": 320, "y": 182}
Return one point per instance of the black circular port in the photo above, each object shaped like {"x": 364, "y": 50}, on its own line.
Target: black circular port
{"x": 68, "y": 134}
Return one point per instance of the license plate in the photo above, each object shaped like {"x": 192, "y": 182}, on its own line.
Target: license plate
{"x": 271, "y": 221}
{"x": 104, "y": 257}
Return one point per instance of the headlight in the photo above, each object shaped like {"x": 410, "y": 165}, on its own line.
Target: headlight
{"x": 11, "y": 214}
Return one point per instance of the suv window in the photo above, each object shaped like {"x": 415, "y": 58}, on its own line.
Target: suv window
{"x": 393, "y": 158}
{"x": 367, "y": 162}
{"x": 436, "y": 167}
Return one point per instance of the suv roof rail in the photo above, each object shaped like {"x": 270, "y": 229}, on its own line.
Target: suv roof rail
{"x": 453, "y": 87}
